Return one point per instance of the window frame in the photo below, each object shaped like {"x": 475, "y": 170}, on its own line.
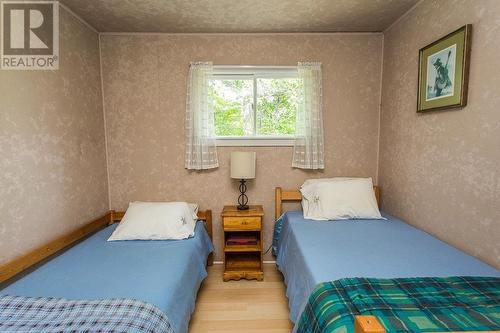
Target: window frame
{"x": 254, "y": 72}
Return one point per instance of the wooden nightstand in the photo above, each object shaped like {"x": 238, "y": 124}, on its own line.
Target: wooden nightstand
{"x": 243, "y": 261}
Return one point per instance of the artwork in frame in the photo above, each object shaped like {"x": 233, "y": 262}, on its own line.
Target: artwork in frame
{"x": 443, "y": 72}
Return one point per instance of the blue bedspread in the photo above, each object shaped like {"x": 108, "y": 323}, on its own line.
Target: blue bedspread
{"x": 166, "y": 274}
{"x": 310, "y": 252}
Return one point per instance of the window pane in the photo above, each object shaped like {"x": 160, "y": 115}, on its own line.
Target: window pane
{"x": 277, "y": 101}
{"x": 233, "y": 109}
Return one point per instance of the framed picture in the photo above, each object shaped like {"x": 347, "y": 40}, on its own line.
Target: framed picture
{"x": 443, "y": 72}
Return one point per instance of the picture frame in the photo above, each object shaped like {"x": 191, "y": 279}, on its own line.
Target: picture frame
{"x": 443, "y": 72}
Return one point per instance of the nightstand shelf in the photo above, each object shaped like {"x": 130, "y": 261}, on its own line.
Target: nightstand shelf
{"x": 242, "y": 261}
{"x": 243, "y": 248}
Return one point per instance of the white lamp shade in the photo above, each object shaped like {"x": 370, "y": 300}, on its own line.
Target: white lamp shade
{"x": 243, "y": 165}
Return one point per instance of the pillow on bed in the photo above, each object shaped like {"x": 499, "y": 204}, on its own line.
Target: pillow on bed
{"x": 310, "y": 200}
{"x": 347, "y": 199}
{"x": 194, "y": 210}
{"x": 343, "y": 208}
{"x": 156, "y": 221}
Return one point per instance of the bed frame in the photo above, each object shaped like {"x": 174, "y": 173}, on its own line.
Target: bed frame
{"x": 362, "y": 324}
{"x": 281, "y": 196}
{"x": 38, "y": 255}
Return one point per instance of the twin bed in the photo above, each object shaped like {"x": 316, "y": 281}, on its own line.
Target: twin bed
{"x": 151, "y": 286}
{"x": 311, "y": 252}
{"x": 166, "y": 274}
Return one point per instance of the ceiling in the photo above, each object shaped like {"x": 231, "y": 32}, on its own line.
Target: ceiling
{"x": 231, "y": 16}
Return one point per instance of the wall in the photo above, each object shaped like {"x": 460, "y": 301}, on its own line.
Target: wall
{"x": 53, "y": 166}
{"x": 439, "y": 171}
{"x": 145, "y": 98}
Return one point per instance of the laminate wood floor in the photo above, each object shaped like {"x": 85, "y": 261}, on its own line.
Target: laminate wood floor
{"x": 241, "y": 306}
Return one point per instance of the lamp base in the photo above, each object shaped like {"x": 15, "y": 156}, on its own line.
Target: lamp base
{"x": 242, "y": 199}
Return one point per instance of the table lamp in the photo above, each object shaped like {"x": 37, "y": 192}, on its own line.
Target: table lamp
{"x": 243, "y": 168}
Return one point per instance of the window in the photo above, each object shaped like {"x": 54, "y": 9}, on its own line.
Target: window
{"x": 254, "y": 106}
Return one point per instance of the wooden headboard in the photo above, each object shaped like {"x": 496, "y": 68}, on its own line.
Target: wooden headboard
{"x": 281, "y": 196}
{"x": 30, "y": 259}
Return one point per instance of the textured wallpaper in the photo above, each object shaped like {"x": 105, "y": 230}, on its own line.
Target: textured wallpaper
{"x": 440, "y": 171}
{"x": 145, "y": 102}
{"x": 53, "y": 165}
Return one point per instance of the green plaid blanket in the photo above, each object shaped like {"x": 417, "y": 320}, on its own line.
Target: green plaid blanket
{"x": 405, "y": 305}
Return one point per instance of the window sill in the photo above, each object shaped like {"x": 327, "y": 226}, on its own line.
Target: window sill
{"x": 254, "y": 142}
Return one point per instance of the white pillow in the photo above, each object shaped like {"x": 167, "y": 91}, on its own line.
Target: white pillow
{"x": 347, "y": 199}
{"x": 156, "y": 221}
{"x": 310, "y": 200}
{"x": 194, "y": 209}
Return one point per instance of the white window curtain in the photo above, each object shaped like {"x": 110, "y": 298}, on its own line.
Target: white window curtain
{"x": 201, "y": 151}
{"x": 308, "y": 151}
